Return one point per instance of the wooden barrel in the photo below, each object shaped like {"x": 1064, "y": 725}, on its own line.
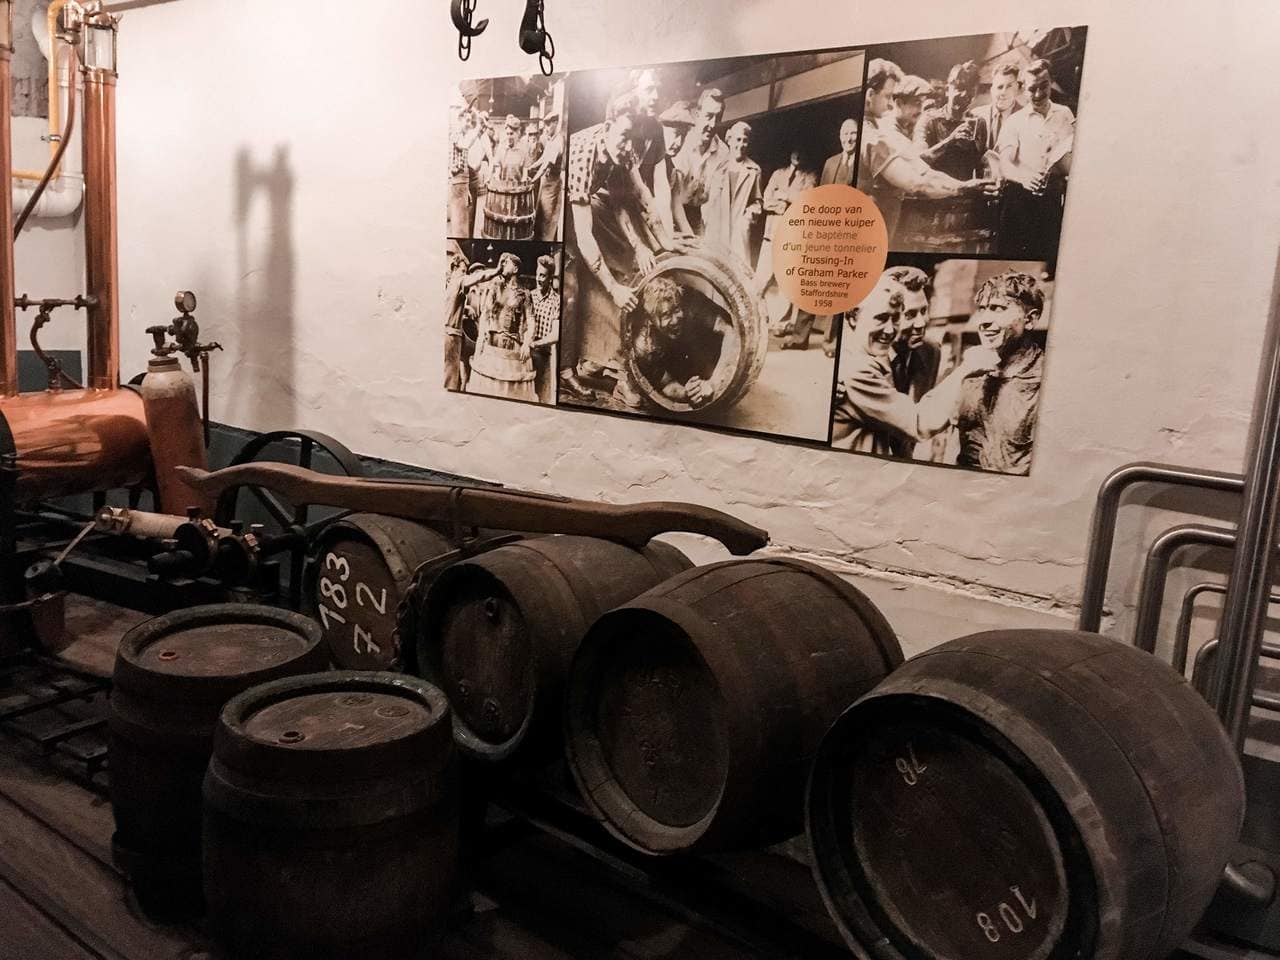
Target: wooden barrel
{"x": 1024, "y": 795}
{"x": 694, "y": 710}
{"x": 502, "y": 372}
{"x": 510, "y": 207}
{"x": 173, "y": 674}
{"x": 499, "y": 632}
{"x": 361, "y": 568}
{"x": 331, "y": 818}
{"x": 710, "y": 281}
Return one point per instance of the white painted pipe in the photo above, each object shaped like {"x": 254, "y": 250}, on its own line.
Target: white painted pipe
{"x": 61, "y": 198}
{"x": 65, "y": 192}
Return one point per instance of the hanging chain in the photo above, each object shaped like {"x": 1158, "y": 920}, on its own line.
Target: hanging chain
{"x": 468, "y": 8}
{"x": 547, "y": 55}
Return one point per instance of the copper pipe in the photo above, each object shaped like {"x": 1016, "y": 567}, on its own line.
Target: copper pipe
{"x": 100, "y": 241}
{"x": 75, "y": 441}
{"x": 8, "y": 318}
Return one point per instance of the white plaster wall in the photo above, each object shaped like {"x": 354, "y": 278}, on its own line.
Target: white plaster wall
{"x": 286, "y": 160}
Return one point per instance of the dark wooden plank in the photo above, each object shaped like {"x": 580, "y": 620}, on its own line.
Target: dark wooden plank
{"x": 80, "y": 893}
{"x": 27, "y": 934}
{"x": 63, "y": 807}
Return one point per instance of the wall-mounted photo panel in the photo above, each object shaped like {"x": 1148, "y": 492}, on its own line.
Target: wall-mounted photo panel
{"x": 967, "y": 142}
{"x": 502, "y": 318}
{"x": 943, "y": 363}
{"x": 677, "y": 176}
{"x": 506, "y": 158}
{"x": 668, "y": 196}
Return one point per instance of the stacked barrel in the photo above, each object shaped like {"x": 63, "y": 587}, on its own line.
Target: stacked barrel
{"x": 1014, "y": 794}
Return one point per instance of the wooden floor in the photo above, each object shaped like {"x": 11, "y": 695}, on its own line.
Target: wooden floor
{"x": 546, "y": 887}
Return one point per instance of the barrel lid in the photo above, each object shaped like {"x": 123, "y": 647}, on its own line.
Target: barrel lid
{"x": 932, "y": 832}
{"x": 216, "y": 650}
{"x": 483, "y": 654}
{"x": 342, "y": 724}
{"x": 649, "y": 732}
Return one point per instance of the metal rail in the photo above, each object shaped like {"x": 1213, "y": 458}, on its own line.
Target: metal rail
{"x": 1254, "y": 565}
{"x": 1155, "y": 573}
{"x": 1102, "y": 531}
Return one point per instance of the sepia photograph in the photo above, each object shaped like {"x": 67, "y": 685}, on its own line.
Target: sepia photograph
{"x": 967, "y": 141}
{"x": 506, "y": 158}
{"x": 943, "y": 362}
{"x": 502, "y": 327}
{"x": 676, "y": 177}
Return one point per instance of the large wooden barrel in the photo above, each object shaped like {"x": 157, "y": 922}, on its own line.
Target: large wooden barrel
{"x": 693, "y": 711}
{"x": 361, "y": 568}
{"x": 510, "y": 208}
{"x": 331, "y": 818}
{"x": 499, "y": 632}
{"x": 710, "y": 282}
{"x": 1024, "y": 795}
{"x": 173, "y": 674}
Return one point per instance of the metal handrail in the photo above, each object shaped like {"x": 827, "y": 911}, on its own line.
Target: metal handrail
{"x": 1200, "y": 676}
{"x": 1102, "y": 530}
{"x": 1155, "y": 572}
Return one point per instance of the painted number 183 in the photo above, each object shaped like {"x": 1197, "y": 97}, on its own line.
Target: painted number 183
{"x": 336, "y": 594}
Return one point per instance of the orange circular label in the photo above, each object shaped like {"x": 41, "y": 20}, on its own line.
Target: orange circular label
{"x": 829, "y": 248}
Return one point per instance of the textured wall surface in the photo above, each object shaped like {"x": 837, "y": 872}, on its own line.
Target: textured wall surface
{"x": 30, "y": 68}
{"x": 286, "y": 160}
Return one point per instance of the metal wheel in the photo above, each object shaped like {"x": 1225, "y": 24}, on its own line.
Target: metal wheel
{"x": 286, "y": 527}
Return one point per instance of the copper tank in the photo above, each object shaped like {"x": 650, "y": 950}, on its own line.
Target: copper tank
{"x": 73, "y": 441}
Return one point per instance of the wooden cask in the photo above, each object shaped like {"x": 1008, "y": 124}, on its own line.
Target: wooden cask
{"x": 694, "y": 711}
{"x": 331, "y": 818}
{"x": 173, "y": 674}
{"x": 499, "y": 631}
{"x": 361, "y": 568}
{"x": 1022, "y": 795}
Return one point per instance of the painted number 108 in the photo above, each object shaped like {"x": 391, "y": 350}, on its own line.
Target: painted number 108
{"x": 1008, "y": 915}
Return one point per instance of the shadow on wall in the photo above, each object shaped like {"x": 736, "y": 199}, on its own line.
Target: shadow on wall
{"x": 266, "y": 280}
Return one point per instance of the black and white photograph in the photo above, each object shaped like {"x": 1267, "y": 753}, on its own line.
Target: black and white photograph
{"x": 502, "y": 327}
{"x": 943, "y": 363}
{"x": 506, "y": 159}
{"x": 677, "y": 175}
{"x": 967, "y": 141}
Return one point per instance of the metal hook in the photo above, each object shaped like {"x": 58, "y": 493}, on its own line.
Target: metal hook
{"x": 462, "y": 12}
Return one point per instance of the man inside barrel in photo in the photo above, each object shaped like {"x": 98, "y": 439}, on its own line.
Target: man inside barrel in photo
{"x": 949, "y": 137}
{"x": 890, "y": 166}
{"x": 997, "y": 415}
{"x": 870, "y": 414}
{"x": 1035, "y": 150}
{"x": 677, "y": 346}
{"x": 615, "y": 237}
{"x": 510, "y": 158}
